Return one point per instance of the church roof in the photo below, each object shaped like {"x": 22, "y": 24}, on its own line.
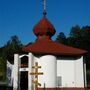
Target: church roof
{"x": 44, "y": 27}
{"x": 44, "y": 30}
{"x": 47, "y": 46}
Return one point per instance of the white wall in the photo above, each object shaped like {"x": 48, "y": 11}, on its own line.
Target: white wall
{"x": 79, "y": 72}
{"x": 65, "y": 69}
{"x": 71, "y": 71}
{"x": 49, "y": 69}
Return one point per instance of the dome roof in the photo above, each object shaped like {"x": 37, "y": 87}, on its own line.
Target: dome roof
{"x": 44, "y": 28}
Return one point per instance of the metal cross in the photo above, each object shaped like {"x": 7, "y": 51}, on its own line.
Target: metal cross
{"x": 44, "y": 7}
{"x": 36, "y": 73}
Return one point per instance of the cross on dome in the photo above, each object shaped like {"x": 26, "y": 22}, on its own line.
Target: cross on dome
{"x": 44, "y": 7}
{"x": 44, "y": 30}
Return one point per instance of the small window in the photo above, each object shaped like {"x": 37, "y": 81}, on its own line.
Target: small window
{"x": 59, "y": 81}
{"x": 24, "y": 62}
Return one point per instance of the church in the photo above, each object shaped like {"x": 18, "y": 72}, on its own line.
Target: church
{"x": 47, "y": 64}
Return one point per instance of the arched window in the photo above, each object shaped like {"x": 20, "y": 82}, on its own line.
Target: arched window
{"x": 24, "y": 62}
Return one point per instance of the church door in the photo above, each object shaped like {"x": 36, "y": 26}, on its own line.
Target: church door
{"x": 24, "y": 80}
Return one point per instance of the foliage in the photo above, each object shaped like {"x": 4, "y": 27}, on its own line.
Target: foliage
{"x": 2, "y": 69}
{"x": 61, "y": 38}
{"x": 79, "y": 37}
{"x": 13, "y": 46}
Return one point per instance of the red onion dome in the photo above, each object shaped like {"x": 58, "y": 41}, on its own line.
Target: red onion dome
{"x": 44, "y": 28}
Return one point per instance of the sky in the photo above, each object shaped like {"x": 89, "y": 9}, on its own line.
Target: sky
{"x": 18, "y": 17}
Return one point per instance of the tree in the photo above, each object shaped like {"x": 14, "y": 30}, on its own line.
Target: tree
{"x": 61, "y": 38}
{"x": 13, "y": 46}
{"x": 2, "y": 69}
{"x": 79, "y": 37}
{"x": 75, "y": 31}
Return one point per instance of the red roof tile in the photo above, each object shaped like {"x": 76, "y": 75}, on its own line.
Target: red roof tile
{"x": 47, "y": 46}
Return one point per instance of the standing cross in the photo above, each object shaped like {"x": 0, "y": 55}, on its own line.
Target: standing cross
{"x": 36, "y": 73}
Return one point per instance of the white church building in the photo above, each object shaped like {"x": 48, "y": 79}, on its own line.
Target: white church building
{"x": 62, "y": 66}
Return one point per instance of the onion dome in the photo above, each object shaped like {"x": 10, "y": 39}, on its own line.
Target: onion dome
{"x": 44, "y": 28}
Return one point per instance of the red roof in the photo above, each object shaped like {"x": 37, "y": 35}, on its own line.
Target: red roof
{"x": 44, "y": 27}
{"x": 47, "y": 46}
{"x": 44, "y": 30}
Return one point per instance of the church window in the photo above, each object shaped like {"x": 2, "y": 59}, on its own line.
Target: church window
{"x": 24, "y": 62}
